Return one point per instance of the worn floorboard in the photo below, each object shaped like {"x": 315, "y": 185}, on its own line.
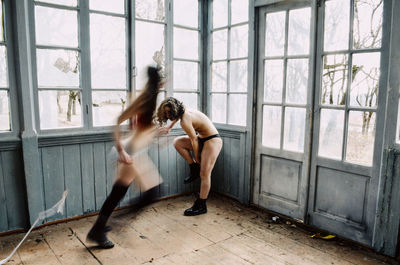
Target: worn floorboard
{"x": 159, "y": 234}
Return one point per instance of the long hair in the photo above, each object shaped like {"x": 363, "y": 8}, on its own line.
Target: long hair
{"x": 176, "y": 110}
{"x": 147, "y": 100}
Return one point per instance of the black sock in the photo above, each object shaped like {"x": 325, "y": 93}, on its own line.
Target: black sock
{"x": 117, "y": 193}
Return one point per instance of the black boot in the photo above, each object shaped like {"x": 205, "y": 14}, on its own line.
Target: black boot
{"x": 194, "y": 173}
{"x": 199, "y": 207}
{"x": 98, "y": 235}
{"x": 99, "y": 229}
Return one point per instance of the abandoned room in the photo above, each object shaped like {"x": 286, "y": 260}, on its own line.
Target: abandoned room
{"x": 199, "y": 132}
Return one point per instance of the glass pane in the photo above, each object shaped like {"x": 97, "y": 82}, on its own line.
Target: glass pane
{"x": 4, "y": 111}
{"x": 107, "y": 106}
{"x": 220, "y": 13}
{"x": 60, "y": 2}
{"x": 237, "y": 109}
{"x": 275, "y": 34}
{"x": 336, "y": 33}
{"x": 57, "y": 68}
{"x": 334, "y": 79}
{"x": 239, "y": 11}
{"x": 367, "y": 31}
{"x": 295, "y": 122}
{"x": 238, "y": 76}
{"x": 115, "y": 6}
{"x": 149, "y": 49}
{"x": 3, "y": 67}
{"x": 60, "y": 109}
{"x": 297, "y": 81}
{"x": 299, "y": 31}
{"x": 360, "y": 137}
{"x": 188, "y": 99}
{"x": 331, "y": 133}
{"x": 220, "y": 44}
{"x": 150, "y": 9}
{"x": 218, "y": 108}
{"x": 1, "y": 22}
{"x": 219, "y": 77}
{"x": 185, "y": 75}
{"x": 186, "y": 44}
{"x": 186, "y": 12}
{"x": 365, "y": 80}
{"x": 56, "y": 27}
{"x": 107, "y": 51}
{"x": 273, "y": 80}
{"x": 271, "y": 132}
{"x": 239, "y": 41}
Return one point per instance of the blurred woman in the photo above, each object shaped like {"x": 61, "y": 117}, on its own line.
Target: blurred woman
{"x": 141, "y": 112}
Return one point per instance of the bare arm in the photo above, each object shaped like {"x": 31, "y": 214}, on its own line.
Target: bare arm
{"x": 126, "y": 114}
{"x": 188, "y": 128}
{"x": 166, "y": 129}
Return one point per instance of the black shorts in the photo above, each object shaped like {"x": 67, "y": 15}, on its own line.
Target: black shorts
{"x": 203, "y": 140}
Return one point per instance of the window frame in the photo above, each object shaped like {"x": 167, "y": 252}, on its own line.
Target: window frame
{"x": 85, "y": 87}
{"x": 8, "y": 43}
{"x": 347, "y": 108}
{"x": 200, "y": 61}
{"x": 228, "y": 60}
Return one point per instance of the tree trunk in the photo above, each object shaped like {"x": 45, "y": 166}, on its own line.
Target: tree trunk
{"x": 70, "y": 100}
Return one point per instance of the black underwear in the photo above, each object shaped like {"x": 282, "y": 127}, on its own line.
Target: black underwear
{"x": 203, "y": 140}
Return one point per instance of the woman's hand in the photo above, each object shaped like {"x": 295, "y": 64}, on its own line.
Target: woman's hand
{"x": 124, "y": 157}
{"x": 163, "y": 130}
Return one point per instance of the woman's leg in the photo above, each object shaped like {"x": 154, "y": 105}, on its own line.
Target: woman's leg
{"x": 209, "y": 156}
{"x": 120, "y": 187}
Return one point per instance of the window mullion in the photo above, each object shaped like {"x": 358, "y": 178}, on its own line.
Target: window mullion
{"x": 169, "y": 42}
{"x": 84, "y": 44}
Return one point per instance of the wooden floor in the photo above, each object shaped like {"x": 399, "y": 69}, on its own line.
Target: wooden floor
{"x": 159, "y": 234}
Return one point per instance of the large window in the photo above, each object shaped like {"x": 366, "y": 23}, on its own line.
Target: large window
{"x": 350, "y": 79}
{"x": 229, "y": 61}
{"x": 5, "y": 117}
{"x": 71, "y": 86}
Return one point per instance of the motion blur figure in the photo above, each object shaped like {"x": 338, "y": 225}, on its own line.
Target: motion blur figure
{"x": 134, "y": 165}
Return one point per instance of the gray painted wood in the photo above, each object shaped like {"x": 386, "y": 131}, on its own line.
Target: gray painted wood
{"x": 236, "y": 161}
{"x": 110, "y": 168}
{"x": 100, "y": 182}
{"x": 35, "y": 193}
{"x": 73, "y": 180}
{"x": 53, "y": 178}
{"x": 87, "y": 175}
{"x": 163, "y": 167}
{"x": 227, "y": 164}
{"x": 172, "y": 167}
{"x": 385, "y": 238}
{"x": 153, "y": 154}
{"x": 3, "y": 202}
{"x": 15, "y": 188}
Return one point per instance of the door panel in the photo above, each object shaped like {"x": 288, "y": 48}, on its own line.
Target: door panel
{"x": 283, "y": 121}
{"x": 346, "y": 156}
{"x": 320, "y": 94}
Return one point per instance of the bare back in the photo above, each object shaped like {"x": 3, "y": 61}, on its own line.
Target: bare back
{"x": 200, "y": 123}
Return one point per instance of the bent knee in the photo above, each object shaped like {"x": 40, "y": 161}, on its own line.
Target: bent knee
{"x": 177, "y": 142}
